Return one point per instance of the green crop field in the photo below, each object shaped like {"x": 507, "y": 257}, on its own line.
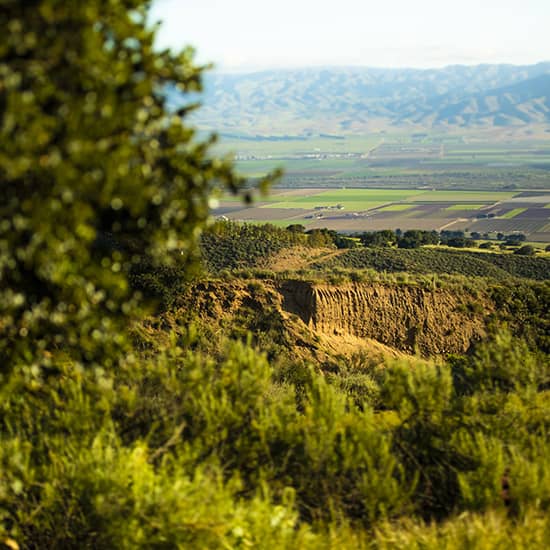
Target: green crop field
{"x": 357, "y": 195}
{"x": 352, "y": 210}
{"x": 399, "y": 180}
{"x": 442, "y": 161}
{"x": 513, "y": 213}
{"x": 285, "y": 147}
{"x": 465, "y": 196}
{"x": 397, "y": 207}
{"x": 311, "y": 204}
{"x": 350, "y": 199}
{"x": 468, "y": 206}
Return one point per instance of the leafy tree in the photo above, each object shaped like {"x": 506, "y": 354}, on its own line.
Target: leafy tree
{"x": 296, "y": 228}
{"x": 95, "y": 172}
{"x": 339, "y": 240}
{"x": 414, "y": 238}
{"x": 448, "y": 234}
{"x": 319, "y": 238}
{"x": 515, "y": 238}
{"x": 385, "y": 237}
{"x": 459, "y": 242}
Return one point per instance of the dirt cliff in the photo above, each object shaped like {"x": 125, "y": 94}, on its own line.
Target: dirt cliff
{"x": 407, "y": 318}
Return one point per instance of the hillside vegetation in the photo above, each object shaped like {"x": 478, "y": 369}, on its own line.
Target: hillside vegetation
{"x": 426, "y": 260}
{"x": 231, "y": 245}
{"x": 433, "y": 301}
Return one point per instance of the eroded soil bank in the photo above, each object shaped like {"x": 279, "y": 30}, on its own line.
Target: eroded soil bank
{"x": 407, "y": 318}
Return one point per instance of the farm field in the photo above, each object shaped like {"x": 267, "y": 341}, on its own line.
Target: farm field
{"x": 486, "y": 183}
{"x": 353, "y": 210}
{"x": 441, "y": 161}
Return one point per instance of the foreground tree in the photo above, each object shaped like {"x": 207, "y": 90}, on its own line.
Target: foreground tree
{"x": 95, "y": 174}
{"x": 94, "y": 171}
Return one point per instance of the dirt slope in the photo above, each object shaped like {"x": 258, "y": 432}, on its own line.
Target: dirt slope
{"x": 407, "y": 318}
{"x": 327, "y": 319}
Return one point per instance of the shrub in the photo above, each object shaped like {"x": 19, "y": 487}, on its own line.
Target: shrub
{"x": 526, "y": 250}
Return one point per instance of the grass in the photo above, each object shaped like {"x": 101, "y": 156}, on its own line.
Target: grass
{"x": 351, "y": 199}
{"x": 380, "y": 195}
{"x": 364, "y": 199}
{"x": 513, "y": 213}
{"x": 463, "y": 196}
{"x": 468, "y": 206}
{"x": 397, "y": 207}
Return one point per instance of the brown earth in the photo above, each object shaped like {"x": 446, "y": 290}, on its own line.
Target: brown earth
{"x": 317, "y": 320}
{"x": 299, "y": 257}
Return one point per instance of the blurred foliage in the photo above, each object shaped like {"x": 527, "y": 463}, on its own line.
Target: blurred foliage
{"x": 95, "y": 173}
{"x": 199, "y": 448}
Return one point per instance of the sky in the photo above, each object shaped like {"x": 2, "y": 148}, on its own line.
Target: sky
{"x": 250, "y": 35}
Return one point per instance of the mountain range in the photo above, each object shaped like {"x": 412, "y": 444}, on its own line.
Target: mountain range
{"x": 346, "y": 100}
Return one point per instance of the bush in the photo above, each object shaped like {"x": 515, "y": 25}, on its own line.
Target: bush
{"x": 526, "y": 250}
{"x": 229, "y": 245}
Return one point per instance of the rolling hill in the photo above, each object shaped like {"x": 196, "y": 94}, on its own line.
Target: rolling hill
{"x": 524, "y": 102}
{"x": 346, "y": 100}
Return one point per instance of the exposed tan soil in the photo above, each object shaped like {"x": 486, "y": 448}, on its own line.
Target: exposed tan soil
{"x": 299, "y": 257}
{"x": 322, "y": 319}
{"x": 407, "y": 318}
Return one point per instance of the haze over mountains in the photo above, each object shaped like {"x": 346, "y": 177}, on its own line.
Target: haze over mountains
{"x": 348, "y": 100}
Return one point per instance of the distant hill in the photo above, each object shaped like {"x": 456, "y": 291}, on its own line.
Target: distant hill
{"x": 524, "y": 102}
{"x": 342, "y": 100}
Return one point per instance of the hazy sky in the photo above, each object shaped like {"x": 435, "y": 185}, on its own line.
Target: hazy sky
{"x": 259, "y": 34}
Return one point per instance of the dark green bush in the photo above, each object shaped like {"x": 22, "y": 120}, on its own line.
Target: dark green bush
{"x": 526, "y": 250}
